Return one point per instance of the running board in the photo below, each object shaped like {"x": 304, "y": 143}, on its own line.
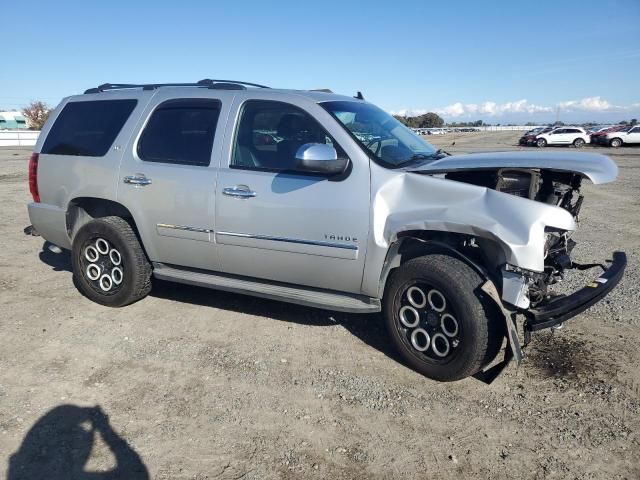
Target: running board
{"x": 310, "y": 297}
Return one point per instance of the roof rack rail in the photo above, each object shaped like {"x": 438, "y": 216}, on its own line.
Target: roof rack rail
{"x": 205, "y": 83}
{"x": 208, "y": 81}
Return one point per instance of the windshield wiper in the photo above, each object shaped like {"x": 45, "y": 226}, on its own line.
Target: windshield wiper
{"x": 425, "y": 156}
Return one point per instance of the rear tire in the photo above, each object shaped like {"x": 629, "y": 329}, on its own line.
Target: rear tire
{"x": 109, "y": 264}
{"x": 616, "y": 143}
{"x": 579, "y": 142}
{"x": 456, "y": 330}
{"x": 541, "y": 142}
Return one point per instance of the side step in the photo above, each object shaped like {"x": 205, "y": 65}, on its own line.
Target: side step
{"x": 310, "y": 297}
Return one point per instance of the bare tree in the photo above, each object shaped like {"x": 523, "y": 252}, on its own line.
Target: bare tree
{"x": 36, "y": 114}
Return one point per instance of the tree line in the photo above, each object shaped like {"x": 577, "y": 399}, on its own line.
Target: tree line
{"x": 433, "y": 120}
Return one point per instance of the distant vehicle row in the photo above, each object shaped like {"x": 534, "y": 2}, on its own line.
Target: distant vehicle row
{"x": 613, "y": 136}
{"x": 442, "y": 131}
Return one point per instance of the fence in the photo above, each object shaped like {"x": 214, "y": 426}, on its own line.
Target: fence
{"x": 499, "y": 128}
{"x": 18, "y": 138}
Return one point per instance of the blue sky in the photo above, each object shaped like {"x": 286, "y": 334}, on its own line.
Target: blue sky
{"x": 495, "y": 61}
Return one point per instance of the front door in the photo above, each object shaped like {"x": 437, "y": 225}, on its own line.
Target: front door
{"x": 168, "y": 176}
{"x": 558, "y": 136}
{"x": 633, "y": 136}
{"x": 276, "y": 223}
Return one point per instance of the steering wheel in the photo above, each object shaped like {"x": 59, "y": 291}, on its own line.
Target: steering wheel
{"x": 379, "y": 141}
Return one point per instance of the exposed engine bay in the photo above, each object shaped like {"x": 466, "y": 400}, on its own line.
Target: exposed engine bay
{"x": 561, "y": 189}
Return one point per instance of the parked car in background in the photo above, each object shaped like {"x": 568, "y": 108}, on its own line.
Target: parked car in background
{"x": 529, "y": 138}
{"x": 525, "y": 135}
{"x": 628, "y": 135}
{"x": 576, "y": 136}
{"x": 600, "y": 137}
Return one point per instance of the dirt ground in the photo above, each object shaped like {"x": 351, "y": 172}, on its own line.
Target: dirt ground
{"x": 198, "y": 384}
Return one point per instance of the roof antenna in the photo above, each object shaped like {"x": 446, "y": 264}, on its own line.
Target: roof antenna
{"x": 359, "y": 96}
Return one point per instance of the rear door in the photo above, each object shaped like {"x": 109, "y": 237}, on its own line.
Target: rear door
{"x": 276, "y": 223}
{"x": 572, "y": 134}
{"x": 168, "y": 175}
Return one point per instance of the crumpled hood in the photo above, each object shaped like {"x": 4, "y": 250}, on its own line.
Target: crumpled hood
{"x": 597, "y": 168}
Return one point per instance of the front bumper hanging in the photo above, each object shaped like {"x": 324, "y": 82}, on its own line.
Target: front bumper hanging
{"x": 563, "y": 308}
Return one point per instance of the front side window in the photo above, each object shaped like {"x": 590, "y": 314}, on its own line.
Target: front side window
{"x": 180, "y": 131}
{"x": 388, "y": 140}
{"x": 270, "y": 133}
{"x": 88, "y": 128}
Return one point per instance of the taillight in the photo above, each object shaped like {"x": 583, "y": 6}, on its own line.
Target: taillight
{"x": 33, "y": 177}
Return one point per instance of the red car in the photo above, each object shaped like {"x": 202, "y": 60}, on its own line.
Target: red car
{"x": 529, "y": 138}
{"x": 601, "y": 136}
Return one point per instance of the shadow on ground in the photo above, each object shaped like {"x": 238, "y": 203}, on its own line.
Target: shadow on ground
{"x": 59, "y": 445}
{"x": 367, "y": 327}
{"x": 59, "y": 262}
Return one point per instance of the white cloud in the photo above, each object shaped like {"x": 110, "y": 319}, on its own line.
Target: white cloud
{"x": 589, "y": 104}
{"x": 494, "y": 109}
{"x": 454, "y": 110}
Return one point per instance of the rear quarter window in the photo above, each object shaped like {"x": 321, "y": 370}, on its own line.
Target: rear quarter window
{"x": 88, "y": 128}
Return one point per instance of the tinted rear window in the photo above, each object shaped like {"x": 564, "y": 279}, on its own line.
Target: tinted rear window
{"x": 180, "y": 131}
{"x": 88, "y": 128}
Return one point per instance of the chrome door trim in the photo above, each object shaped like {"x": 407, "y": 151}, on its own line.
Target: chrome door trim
{"x": 184, "y": 227}
{"x": 288, "y": 240}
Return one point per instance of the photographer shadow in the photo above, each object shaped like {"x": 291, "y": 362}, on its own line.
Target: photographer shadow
{"x": 59, "y": 445}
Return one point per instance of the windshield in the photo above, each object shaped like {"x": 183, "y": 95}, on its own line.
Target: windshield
{"x": 388, "y": 140}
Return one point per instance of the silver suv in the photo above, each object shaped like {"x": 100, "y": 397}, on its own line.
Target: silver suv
{"x": 317, "y": 199}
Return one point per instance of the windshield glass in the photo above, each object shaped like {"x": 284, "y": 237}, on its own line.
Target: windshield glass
{"x": 379, "y": 133}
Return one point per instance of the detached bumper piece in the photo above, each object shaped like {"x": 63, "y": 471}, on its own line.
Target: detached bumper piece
{"x": 563, "y": 308}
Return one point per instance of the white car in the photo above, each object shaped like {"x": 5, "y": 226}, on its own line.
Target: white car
{"x": 617, "y": 139}
{"x": 576, "y": 136}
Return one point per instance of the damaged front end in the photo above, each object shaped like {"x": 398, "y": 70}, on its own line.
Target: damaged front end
{"x": 554, "y": 180}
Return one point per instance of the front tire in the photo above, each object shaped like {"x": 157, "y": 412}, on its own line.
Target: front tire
{"x": 109, "y": 264}
{"x": 616, "y": 143}
{"x": 579, "y": 142}
{"x": 541, "y": 142}
{"x": 439, "y": 320}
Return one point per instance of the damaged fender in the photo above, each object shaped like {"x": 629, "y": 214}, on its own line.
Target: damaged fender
{"x": 404, "y": 201}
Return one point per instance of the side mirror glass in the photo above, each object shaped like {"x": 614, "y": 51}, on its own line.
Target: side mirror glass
{"x": 320, "y": 158}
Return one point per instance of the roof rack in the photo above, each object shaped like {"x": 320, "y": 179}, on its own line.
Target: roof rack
{"x": 205, "y": 83}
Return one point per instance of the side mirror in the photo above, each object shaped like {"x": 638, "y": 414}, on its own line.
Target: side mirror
{"x": 320, "y": 158}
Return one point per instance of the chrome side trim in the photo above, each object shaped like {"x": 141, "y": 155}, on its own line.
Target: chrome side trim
{"x": 184, "y": 227}
{"x": 288, "y": 240}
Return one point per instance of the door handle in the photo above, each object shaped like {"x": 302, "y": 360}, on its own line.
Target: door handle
{"x": 239, "y": 191}
{"x": 138, "y": 179}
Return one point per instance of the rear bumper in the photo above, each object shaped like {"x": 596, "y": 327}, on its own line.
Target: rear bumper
{"x": 558, "y": 310}
{"x": 50, "y": 222}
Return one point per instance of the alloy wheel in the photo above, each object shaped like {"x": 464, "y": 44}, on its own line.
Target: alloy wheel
{"x": 427, "y": 322}
{"x": 102, "y": 265}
